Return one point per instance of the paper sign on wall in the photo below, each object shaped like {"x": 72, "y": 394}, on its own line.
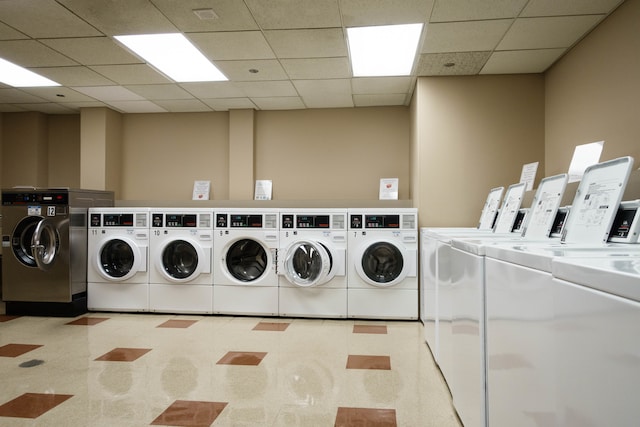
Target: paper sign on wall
{"x": 584, "y": 156}
{"x": 528, "y": 175}
{"x": 201, "y": 190}
{"x": 263, "y": 189}
{"x": 389, "y": 189}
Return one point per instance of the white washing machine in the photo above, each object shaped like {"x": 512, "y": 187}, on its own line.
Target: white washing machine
{"x": 181, "y": 250}
{"x": 312, "y": 263}
{"x": 382, "y": 263}
{"x": 245, "y": 261}
{"x": 597, "y": 323}
{"x": 118, "y": 259}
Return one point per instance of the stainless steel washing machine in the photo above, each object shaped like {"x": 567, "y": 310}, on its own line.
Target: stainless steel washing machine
{"x": 45, "y": 249}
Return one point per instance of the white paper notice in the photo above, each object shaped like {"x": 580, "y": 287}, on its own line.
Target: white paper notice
{"x": 201, "y": 190}
{"x": 389, "y": 189}
{"x": 528, "y": 175}
{"x": 584, "y": 156}
{"x": 263, "y": 189}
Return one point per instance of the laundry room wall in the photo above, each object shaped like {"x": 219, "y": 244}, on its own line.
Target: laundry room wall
{"x": 25, "y": 149}
{"x": 63, "y": 134}
{"x": 592, "y": 93}
{"x": 333, "y": 154}
{"x": 473, "y": 133}
{"x": 163, "y": 154}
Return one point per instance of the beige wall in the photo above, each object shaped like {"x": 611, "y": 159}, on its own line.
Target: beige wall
{"x": 163, "y": 154}
{"x": 64, "y": 151}
{"x": 473, "y": 134}
{"x": 593, "y": 93}
{"x": 25, "y": 149}
{"x": 330, "y": 154}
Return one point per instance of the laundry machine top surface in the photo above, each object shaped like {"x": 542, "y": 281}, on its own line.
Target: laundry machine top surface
{"x": 615, "y": 274}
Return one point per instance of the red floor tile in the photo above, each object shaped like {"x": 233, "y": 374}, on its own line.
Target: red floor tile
{"x": 352, "y": 417}
{"x": 247, "y": 358}
{"x": 369, "y": 329}
{"x": 87, "y": 321}
{"x": 176, "y": 323}
{"x": 369, "y": 362}
{"x": 32, "y": 405}
{"x": 15, "y": 350}
{"x": 186, "y": 413}
{"x": 124, "y": 354}
{"x": 271, "y": 326}
{"x": 6, "y": 318}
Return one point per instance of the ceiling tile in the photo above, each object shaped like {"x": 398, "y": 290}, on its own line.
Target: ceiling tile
{"x": 549, "y": 32}
{"x": 44, "y": 18}
{"x": 317, "y": 43}
{"x": 521, "y": 61}
{"x": 317, "y": 68}
{"x": 568, "y": 7}
{"x": 268, "y": 69}
{"x": 154, "y": 92}
{"x": 232, "y": 45}
{"x": 15, "y": 96}
{"x": 131, "y": 74}
{"x": 381, "y": 85}
{"x": 10, "y": 108}
{"x": 8, "y": 33}
{"x": 213, "y": 90}
{"x": 475, "y": 10}
{"x": 224, "y": 104}
{"x": 93, "y": 50}
{"x": 109, "y": 93}
{"x": 324, "y": 93}
{"x": 70, "y": 76}
{"x": 279, "y": 103}
{"x": 183, "y": 105}
{"x": 466, "y": 36}
{"x": 30, "y": 53}
{"x": 58, "y": 94}
{"x": 361, "y": 13}
{"x": 136, "y": 107}
{"x": 233, "y": 15}
{"x": 277, "y": 14}
{"x": 267, "y": 89}
{"x": 379, "y": 99}
{"x": 465, "y": 63}
{"x": 47, "y": 108}
{"x": 120, "y": 17}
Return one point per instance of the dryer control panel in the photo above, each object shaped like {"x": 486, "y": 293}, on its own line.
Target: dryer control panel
{"x": 375, "y": 221}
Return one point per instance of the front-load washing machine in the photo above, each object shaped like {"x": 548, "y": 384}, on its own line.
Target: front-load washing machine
{"x": 382, "y": 263}
{"x": 312, "y": 263}
{"x": 118, "y": 258}
{"x": 245, "y": 261}
{"x": 181, "y": 248}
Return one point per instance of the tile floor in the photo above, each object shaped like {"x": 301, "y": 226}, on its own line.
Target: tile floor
{"x": 109, "y": 369}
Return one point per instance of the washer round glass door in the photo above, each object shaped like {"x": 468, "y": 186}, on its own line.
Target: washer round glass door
{"x": 307, "y": 264}
{"x": 382, "y": 264}
{"x": 180, "y": 260}
{"x": 35, "y": 242}
{"x": 118, "y": 259}
{"x": 247, "y": 260}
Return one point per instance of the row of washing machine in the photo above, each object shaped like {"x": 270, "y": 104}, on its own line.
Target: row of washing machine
{"x": 331, "y": 263}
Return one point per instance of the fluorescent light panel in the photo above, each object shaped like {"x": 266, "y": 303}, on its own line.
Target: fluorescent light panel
{"x": 16, "y": 76}
{"x": 387, "y": 50}
{"x": 174, "y": 56}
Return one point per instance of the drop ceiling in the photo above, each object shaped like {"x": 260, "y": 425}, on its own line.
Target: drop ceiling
{"x": 297, "y": 47}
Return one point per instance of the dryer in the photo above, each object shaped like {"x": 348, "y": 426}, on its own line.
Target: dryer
{"x": 312, "y": 263}
{"x": 118, "y": 258}
{"x": 382, "y": 263}
{"x": 245, "y": 261}
{"x": 181, "y": 249}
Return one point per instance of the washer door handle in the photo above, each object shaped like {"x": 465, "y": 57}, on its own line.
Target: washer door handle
{"x": 44, "y": 244}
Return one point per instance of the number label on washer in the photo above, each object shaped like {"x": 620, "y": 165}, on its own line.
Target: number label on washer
{"x": 51, "y": 211}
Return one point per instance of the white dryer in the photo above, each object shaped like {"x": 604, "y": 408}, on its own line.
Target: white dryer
{"x": 382, "y": 263}
{"x": 181, "y": 248}
{"x": 117, "y": 261}
{"x": 245, "y": 261}
{"x": 312, "y": 263}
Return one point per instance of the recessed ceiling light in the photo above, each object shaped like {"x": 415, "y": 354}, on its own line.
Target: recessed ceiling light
{"x": 387, "y": 50}
{"x": 174, "y": 56}
{"x": 16, "y": 76}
